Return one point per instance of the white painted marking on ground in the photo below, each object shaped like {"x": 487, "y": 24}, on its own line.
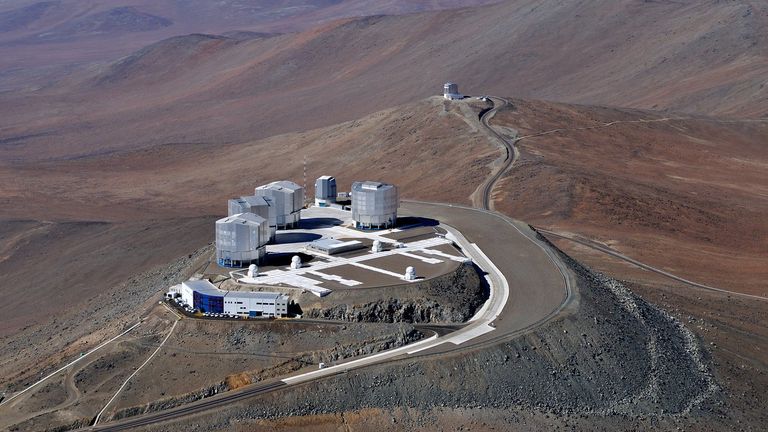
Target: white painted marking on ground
{"x": 480, "y": 313}
{"x": 469, "y": 333}
{"x": 421, "y": 258}
{"x": 336, "y": 278}
{"x": 378, "y": 270}
{"x": 444, "y": 255}
{"x": 489, "y": 265}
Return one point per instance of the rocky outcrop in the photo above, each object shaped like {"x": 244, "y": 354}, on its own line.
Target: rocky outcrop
{"x": 393, "y": 310}
{"x": 615, "y": 355}
{"x": 451, "y": 298}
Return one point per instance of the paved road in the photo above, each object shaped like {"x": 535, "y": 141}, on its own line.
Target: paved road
{"x": 511, "y": 153}
{"x": 538, "y": 288}
{"x": 529, "y": 286}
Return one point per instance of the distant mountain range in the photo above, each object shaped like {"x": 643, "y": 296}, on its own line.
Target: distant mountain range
{"x": 707, "y": 58}
{"x": 81, "y": 31}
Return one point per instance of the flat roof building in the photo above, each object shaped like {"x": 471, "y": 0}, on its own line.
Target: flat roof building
{"x": 257, "y": 205}
{"x": 205, "y": 297}
{"x": 325, "y": 191}
{"x": 287, "y": 198}
{"x": 241, "y": 240}
{"x": 329, "y": 246}
{"x": 374, "y": 205}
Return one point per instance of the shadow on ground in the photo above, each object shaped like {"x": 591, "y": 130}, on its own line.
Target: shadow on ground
{"x": 296, "y": 237}
{"x": 315, "y": 223}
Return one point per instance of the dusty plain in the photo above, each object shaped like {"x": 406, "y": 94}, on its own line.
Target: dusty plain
{"x": 113, "y": 170}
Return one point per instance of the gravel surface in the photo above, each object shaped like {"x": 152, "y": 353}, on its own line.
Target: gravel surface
{"x": 616, "y": 356}
{"x": 76, "y": 331}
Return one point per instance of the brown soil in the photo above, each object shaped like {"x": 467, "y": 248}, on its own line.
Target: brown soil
{"x": 203, "y": 353}
{"x": 209, "y": 91}
{"x": 398, "y": 145}
{"x": 681, "y": 193}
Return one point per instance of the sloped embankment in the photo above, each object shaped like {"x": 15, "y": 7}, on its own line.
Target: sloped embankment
{"x": 615, "y": 355}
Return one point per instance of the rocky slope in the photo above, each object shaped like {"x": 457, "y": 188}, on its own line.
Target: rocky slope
{"x": 617, "y": 356}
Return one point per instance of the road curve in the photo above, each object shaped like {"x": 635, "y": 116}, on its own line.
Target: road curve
{"x": 530, "y": 286}
{"x": 510, "y": 152}
{"x": 146, "y": 362}
{"x": 538, "y": 286}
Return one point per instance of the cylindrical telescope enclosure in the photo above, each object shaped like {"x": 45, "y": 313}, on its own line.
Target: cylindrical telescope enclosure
{"x": 325, "y": 191}
{"x": 257, "y": 205}
{"x": 288, "y": 199}
{"x": 241, "y": 240}
{"x": 374, "y": 205}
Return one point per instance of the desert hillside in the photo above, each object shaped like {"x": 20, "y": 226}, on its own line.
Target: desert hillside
{"x": 635, "y": 127}
{"x": 83, "y": 217}
{"x": 702, "y": 57}
{"x": 431, "y": 148}
{"x": 684, "y": 193}
{"x": 36, "y": 35}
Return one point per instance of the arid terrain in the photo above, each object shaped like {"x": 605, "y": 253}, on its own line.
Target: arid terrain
{"x": 684, "y": 193}
{"x": 213, "y": 90}
{"x": 640, "y": 127}
{"x": 42, "y": 39}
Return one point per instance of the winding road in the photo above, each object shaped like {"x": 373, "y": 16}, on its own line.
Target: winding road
{"x": 529, "y": 285}
{"x": 511, "y": 153}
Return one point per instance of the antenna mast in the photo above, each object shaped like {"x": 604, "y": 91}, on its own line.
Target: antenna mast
{"x": 305, "y": 175}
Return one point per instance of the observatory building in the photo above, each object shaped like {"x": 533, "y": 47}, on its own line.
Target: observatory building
{"x": 451, "y": 91}
{"x": 325, "y": 191}
{"x": 241, "y": 240}
{"x": 257, "y": 205}
{"x": 374, "y": 205}
{"x": 287, "y": 198}
{"x": 205, "y": 297}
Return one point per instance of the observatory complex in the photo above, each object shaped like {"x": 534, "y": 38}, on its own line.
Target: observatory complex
{"x": 287, "y": 198}
{"x": 335, "y": 250}
{"x": 241, "y": 240}
{"x": 374, "y": 205}
{"x": 451, "y": 91}
{"x": 325, "y": 191}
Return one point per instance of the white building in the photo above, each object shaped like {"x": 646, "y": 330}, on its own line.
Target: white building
{"x": 241, "y": 240}
{"x": 330, "y": 246}
{"x": 255, "y": 304}
{"x": 374, "y": 205}
{"x": 288, "y": 199}
{"x": 205, "y": 297}
{"x": 451, "y": 91}
{"x": 256, "y": 205}
{"x": 325, "y": 191}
